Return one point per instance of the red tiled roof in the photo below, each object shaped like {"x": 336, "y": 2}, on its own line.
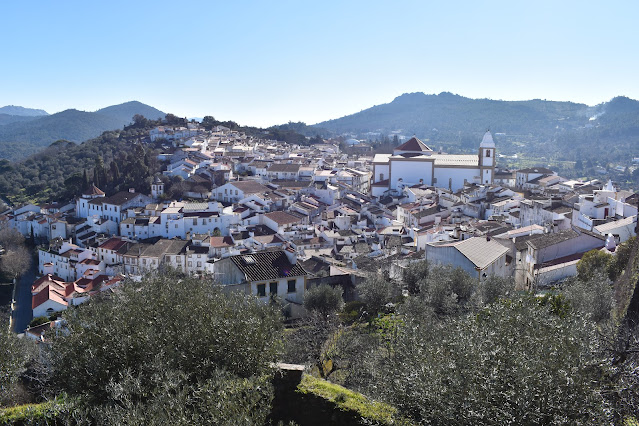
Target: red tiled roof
{"x": 113, "y": 244}
{"x": 94, "y": 190}
{"x": 47, "y": 293}
{"x": 413, "y": 144}
{"x": 45, "y": 280}
{"x": 220, "y": 242}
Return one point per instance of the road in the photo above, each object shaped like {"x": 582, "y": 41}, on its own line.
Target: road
{"x": 22, "y": 315}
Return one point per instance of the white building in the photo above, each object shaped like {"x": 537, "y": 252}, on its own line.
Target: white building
{"x": 415, "y": 163}
{"x": 479, "y": 256}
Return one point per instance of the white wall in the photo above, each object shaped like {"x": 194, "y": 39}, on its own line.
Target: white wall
{"x": 411, "y": 172}
{"x": 443, "y": 174}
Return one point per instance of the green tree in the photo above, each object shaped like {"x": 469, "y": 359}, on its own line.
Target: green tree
{"x": 377, "y": 292}
{"x": 115, "y": 172}
{"x": 448, "y": 291}
{"x": 621, "y": 258}
{"x": 493, "y": 367}
{"x": 209, "y": 122}
{"x": 592, "y": 263}
{"x": 14, "y": 356}
{"x": 85, "y": 180}
{"x": 140, "y": 121}
{"x": 494, "y": 288}
{"x": 168, "y": 340}
{"x": 592, "y": 297}
{"x": 414, "y": 274}
{"x": 324, "y": 299}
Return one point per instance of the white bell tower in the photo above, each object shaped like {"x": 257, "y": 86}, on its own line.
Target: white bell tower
{"x": 157, "y": 188}
{"x": 487, "y": 158}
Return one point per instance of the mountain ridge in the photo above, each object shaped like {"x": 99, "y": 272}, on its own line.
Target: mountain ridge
{"x": 22, "y": 111}
{"x": 19, "y": 139}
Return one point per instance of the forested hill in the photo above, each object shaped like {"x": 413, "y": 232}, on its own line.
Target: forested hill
{"x": 564, "y": 131}
{"x": 423, "y": 115}
{"x": 19, "y": 139}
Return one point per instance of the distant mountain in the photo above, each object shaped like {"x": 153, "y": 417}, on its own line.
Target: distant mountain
{"x": 124, "y": 112}
{"x": 22, "y": 111}
{"x": 447, "y": 114}
{"x": 21, "y": 139}
{"x": 579, "y": 140}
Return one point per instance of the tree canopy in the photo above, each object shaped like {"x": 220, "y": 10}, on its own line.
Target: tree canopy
{"x": 168, "y": 350}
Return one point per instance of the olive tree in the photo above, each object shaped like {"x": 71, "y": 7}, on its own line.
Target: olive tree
{"x": 14, "y": 356}
{"x": 591, "y": 297}
{"x": 324, "y": 299}
{"x": 171, "y": 342}
{"x": 376, "y": 292}
{"x": 593, "y": 262}
{"x": 513, "y": 362}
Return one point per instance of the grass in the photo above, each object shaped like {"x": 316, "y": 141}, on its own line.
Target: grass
{"x": 349, "y": 400}
{"x": 26, "y": 414}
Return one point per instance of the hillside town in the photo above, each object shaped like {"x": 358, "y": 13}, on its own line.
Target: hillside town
{"x": 272, "y": 220}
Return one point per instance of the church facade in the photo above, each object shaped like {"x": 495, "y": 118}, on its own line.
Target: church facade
{"x": 414, "y": 163}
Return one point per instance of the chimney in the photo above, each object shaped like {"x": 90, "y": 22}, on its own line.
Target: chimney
{"x": 290, "y": 254}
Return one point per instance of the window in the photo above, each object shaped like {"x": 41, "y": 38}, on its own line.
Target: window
{"x": 190, "y": 263}
{"x": 291, "y": 286}
{"x": 261, "y": 290}
{"x": 199, "y": 264}
{"x": 273, "y": 288}
{"x": 381, "y": 176}
{"x": 488, "y": 153}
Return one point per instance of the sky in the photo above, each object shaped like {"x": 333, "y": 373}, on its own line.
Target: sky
{"x": 269, "y": 62}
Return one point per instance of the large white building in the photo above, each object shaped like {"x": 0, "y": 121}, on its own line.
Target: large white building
{"x": 415, "y": 163}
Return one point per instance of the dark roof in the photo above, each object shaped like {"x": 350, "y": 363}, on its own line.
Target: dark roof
{"x": 542, "y": 170}
{"x": 282, "y": 183}
{"x": 278, "y": 167}
{"x": 547, "y": 240}
{"x": 267, "y": 265}
{"x": 120, "y": 198}
{"x": 282, "y": 218}
{"x": 520, "y": 242}
{"x": 413, "y": 144}
{"x": 249, "y": 186}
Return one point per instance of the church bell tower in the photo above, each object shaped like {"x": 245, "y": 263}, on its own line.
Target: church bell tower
{"x": 487, "y": 158}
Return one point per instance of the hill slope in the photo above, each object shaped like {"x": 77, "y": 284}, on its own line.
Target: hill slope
{"x": 18, "y": 110}
{"x": 425, "y": 115}
{"x": 21, "y": 139}
{"x": 124, "y": 112}
{"x": 8, "y": 118}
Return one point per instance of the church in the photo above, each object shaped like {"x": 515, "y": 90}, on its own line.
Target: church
{"x": 414, "y": 163}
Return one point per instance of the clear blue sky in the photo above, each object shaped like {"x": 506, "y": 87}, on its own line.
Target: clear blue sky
{"x": 268, "y": 62}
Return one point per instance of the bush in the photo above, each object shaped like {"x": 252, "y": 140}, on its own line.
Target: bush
{"x": 39, "y": 321}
